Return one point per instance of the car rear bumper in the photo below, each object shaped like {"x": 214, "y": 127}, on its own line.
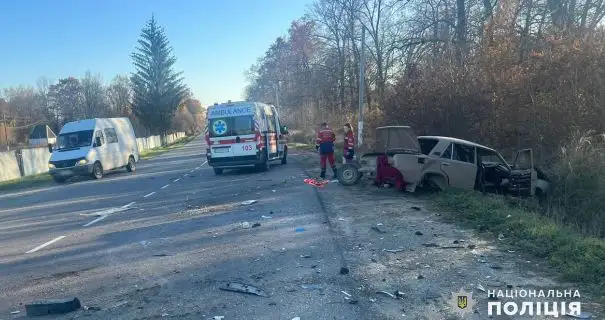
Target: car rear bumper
{"x": 233, "y": 162}
{"x": 71, "y": 171}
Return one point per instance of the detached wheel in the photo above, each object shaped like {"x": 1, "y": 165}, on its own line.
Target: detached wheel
{"x": 218, "y": 171}
{"x": 284, "y": 160}
{"x": 97, "y": 170}
{"x": 131, "y": 166}
{"x": 348, "y": 175}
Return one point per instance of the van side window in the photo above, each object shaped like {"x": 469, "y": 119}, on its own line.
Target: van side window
{"x": 112, "y": 136}
{"x": 271, "y": 121}
{"x": 99, "y": 134}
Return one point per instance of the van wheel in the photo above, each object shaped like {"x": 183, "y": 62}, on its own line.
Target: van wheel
{"x": 218, "y": 171}
{"x": 97, "y": 170}
{"x": 131, "y": 166}
{"x": 265, "y": 165}
{"x": 284, "y": 159}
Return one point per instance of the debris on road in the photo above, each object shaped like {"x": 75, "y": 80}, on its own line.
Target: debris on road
{"x": 341, "y": 219}
{"x": 316, "y": 183}
{"x": 299, "y": 229}
{"x": 420, "y": 277}
{"x": 452, "y": 247}
{"x": 431, "y": 245}
{"x": 353, "y": 302}
{"x": 256, "y": 225}
{"x": 415, "y": 208}
{"x": 344, "y": 270}
{"x": 387, "y": 293}
{"x": 218, "y": 317}
{"x": 375, "y": 228}
{"x": 500, "y": 237}
{"x": 418, "y": 233}
{"x": 40, "y": 308}
{"x": 393, "y": 250}
{"x": 15, "y": 312}
{"x": 243, "y": 288}
{"x": 311, "y": 286}
{"x": 480, "y": 287}
{"x": 306, "y": 256}
{"x": 248, "y": 202}
{"x": 161, "y": 255}
{"x": 266, "y": 217}
{"x": 346, "y": 293}
{"x": 399, "y": 294}
{"x": 296, "y": 318}
{"x": 246, "y": 225}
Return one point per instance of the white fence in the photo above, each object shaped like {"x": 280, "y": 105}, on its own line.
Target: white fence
{"x": 26, "y": 162}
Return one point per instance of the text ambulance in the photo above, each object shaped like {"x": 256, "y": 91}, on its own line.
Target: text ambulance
{"x": 242, "y": 134}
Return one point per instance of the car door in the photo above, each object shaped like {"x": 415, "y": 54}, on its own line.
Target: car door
{"x": 458, "y": 162}
{"x": 523, "y": 175}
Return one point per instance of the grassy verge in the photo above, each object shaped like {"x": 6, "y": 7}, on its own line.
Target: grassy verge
{"x": 579, "y": 258}
{"x": 148, "y": 154}
{"x": 26, "y": 182}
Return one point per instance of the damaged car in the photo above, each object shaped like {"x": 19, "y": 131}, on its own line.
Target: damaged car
{"x": 437, "y": 163}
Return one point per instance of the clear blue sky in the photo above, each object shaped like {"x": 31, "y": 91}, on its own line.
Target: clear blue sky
{"x": 215, "y": 41}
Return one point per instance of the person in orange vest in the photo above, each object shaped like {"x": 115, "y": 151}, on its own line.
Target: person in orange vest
{"x": 325, "y": 145}
{"x": 349, "y": 144}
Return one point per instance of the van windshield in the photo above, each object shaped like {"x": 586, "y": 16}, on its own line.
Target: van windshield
{"x": 232, "y": 126}
{"x": 75, "y": 139}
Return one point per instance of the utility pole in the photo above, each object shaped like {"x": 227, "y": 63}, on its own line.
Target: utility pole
{"x": 361, "y": 88}
{"x": 276, "y": 89}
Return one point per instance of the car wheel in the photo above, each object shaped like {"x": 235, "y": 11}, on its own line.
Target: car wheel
{"x": 284, "y": 160}
{"x": 59, "y": 179}
{"x": 97, "y": 170}
{"x": 348, "y": 175}
{"x": 131, "y": 166}
{"x": 218, "y": 171}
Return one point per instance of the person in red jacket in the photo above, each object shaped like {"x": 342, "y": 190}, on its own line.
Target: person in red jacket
{"x": 325, "y": 145}
{"x": 349, "y": 143}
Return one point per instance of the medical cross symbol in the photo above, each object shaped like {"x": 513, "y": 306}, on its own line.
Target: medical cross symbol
{"x": 219, "y": 127}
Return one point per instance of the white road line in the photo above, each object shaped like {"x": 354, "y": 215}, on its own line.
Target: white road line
{"x": 204, "y": 163}
{"x": 177, "y": 180}
{"x": 45, "y": 244}
{"x": 128, "y": 205}
{"x": 164, "y": 187}
{"x": 95, "y": 220}
{"x": 149, "y": 194}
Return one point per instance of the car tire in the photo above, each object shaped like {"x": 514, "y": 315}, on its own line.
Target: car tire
{"x": 264, "y": 165}
{"x": 59, "y": 179}
{"x": 97, "y": 170}
{"x": 218, "y": 171}
{"x": 131, "y": 166}
{"x": 284, "y": 159}
{"x": 348, "y": 174}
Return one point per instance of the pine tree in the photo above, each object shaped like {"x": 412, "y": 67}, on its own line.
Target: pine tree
{"x": 157, "y": 89}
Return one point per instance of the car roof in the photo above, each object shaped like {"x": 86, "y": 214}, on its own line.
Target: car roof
{"x": 456, "y": 140}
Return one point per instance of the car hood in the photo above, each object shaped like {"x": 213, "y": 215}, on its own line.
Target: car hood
{"x": 69, "y": 154}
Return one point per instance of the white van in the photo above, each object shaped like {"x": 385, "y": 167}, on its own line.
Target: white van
{"x": 92, "y": 147}
{"x": 244, "y": 134}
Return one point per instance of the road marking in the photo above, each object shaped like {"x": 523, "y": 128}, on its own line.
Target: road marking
{"x": 185, "y": 175}
{"x": 164, "y": 187}
{"x": 177, "y": 180}
{"x": 128, "y": 205}
{"x": 204, "y": 163}
{"x": 45, "y": 244}
{"x": 149, "y": 194}
{"x": 96, "y": 220}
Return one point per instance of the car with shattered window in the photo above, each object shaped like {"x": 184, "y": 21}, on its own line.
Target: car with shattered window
{"x": 437, "y": 163}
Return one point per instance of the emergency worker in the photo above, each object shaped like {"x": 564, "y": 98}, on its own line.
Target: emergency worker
{"x": 325, "y": 145}
{"x": 349, "y": 142}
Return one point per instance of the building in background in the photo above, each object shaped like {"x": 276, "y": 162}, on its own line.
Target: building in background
{"x": 41, "y": 135}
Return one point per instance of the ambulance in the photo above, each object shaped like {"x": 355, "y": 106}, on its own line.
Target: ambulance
{"x": 244, "y": 134}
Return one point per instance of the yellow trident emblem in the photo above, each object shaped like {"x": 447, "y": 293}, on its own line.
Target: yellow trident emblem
{"x": 462, "y": 302}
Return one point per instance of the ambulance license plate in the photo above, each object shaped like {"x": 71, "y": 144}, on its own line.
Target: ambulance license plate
{"x": 221, "y": 150}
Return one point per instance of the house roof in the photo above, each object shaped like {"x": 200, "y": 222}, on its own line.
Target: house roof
{"x": 41, "y": 131}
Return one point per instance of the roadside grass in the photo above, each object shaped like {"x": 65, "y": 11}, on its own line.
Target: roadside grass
{"x": 26, "y": 182}
{"x": 148, "y": 154}
{"x": 578, "y": 258}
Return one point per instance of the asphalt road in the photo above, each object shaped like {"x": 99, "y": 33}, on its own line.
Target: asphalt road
{"x": 161, "y": 242}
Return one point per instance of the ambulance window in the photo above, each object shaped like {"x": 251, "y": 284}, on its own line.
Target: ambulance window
{"x": 243, "y": 125}
{"x": 271, "y": 122}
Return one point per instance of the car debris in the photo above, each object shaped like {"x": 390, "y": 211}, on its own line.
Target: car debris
{"x": 306, "y": 256}
{"x": 431, "y": 245}
{"x": 387, "y": 293}
{"x": 299, "y": 229}
{"x": 393, "y": 250}
{"x": 15, "y": 312}
{"x": 296, "y": 318}
{"x": 377, "y": 229}
{"x": 246, "y": 225}
{"x": 344, "y": 270}
{"x": 161, "y": 255}
{"x": 346, "y": 293}
{"x": 256, "y": 224}
{"x": 218, "y": 317}
{"x": 418, "y": 233}
{"x": 311, "y": 286}
{"x": 266, "y": 217}
{"x": 243, "y": 288}
{"x": 47, "y": 307}
{"x": 248, "y": 202}
{"x": 399, "y": 294}
{"x": 452, "y": 247}
{"x": 501, "y": 237}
